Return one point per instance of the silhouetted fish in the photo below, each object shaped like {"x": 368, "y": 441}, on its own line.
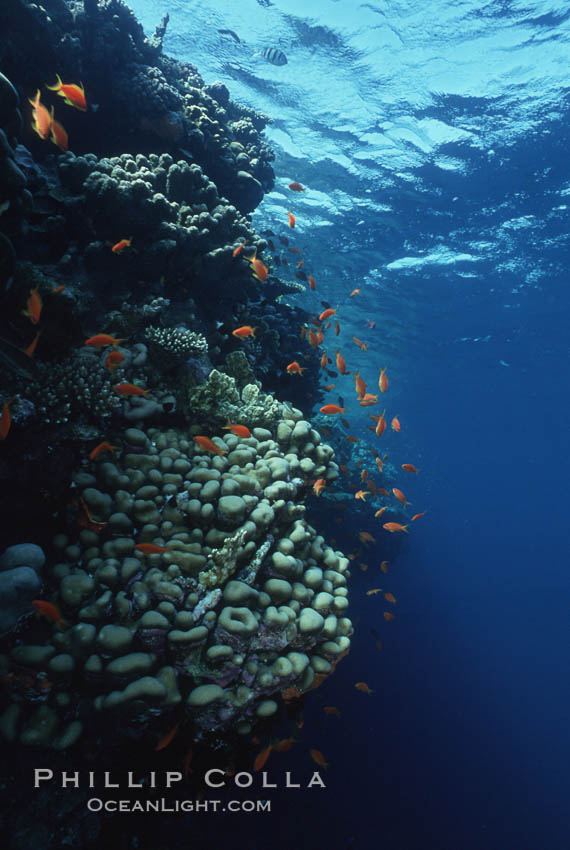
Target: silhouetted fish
{"x": 232, "y": 33}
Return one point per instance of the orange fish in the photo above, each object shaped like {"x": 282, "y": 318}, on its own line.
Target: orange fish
{"x": 87, "y": 521}
{"x": 374, "y": 591}
{"x": 383, "y": 381}
{"x": 244, "y": 332}
{"x": 326, "y": 313}
{"x": 383, "y": 491}
{"x": 417, "y": 516}
{"x": 284, "y": 744}
{"x": 303, "y": 332}
{"x": 41, "y": 118}
{"x": 362, "y": 686}
{"x": 341, "y": 364}
{"x": 395, "y": 526}
{"x": 409, "y": 467}
{"x": 5, "y": 420}
{"x": 208, "y": 445}
{"x": 49, "y": 611}
{"x": 331, "y": 409}
{"x": 361, "y": 494}
{"x": 389, "y": 597}
{"x": 312, "y": 283}
{"x": 352, "y": 439}
{"x": 319, "y": 486}
{"x": 34, "y": 306}
{"x": 73, "y": 95}
{"x": 259, "y": 269}
{"x": 295, "y": 368}
{"x": 381, "y": 425}
{"x": 320, "y": 337}
{"x": 30, "y": 350}
{"x": 366, "y": 537}
{"x": 130, "y": 390}
{"x": 58, "y": 134}
{"x": 384, "y": 566}
{"x": 380, "y": 512}
{"x": 370, "y": 324}
{"x": 291, "y": 219}
{"x": 400, "y": 496}
{"x": 336, "y": 328}
{"x": 360, "y": 386}
{"x": 57, "y": 289}
{"x": 354, "y": 292}
{"x": 296, "y": 187}
{"x": 261, "y": 758}
{"x": 103, "y": 340}
{"x": 102, "y": 447}
{"x": 238, "y": 430}
{"x": 313, "y": 339}
{"x": 331, "y": 709}
{"x": 364, "y": 475}
{"x": 329, "y": 387}
{"x": 237, "y": 251}
{"x": 300, "y": 264}
{"x": 319, "y": 758}
{"x": 113, "y": 359}
{"x": 388, "y": 616}
{"x": 395, "y": 424}
{"x": 167, "y": 738}
{"x": 152, "y": 548}
{"x": 120, "y": 246}
{"x": 368, "y": 399}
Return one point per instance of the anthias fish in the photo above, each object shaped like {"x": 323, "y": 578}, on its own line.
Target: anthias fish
{"x": 72, "y": 94}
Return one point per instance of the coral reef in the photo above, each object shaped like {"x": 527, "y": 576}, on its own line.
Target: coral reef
{"x": 234, "y": 600}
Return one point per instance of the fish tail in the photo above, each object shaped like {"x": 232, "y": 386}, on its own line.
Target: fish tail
{"x": 228, "y": 426}
{"x": 57, "y": 86}
{"x": 122, "y": 339}
{"x": 35, "y": 100}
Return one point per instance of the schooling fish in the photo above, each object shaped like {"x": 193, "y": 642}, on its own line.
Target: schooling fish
{"x": 388, "y": 616}
{"x": 49, "y": 611}
{"x": 362, "y": 686}
{"x": 58, "y": 134}
{"x": 319, "y": 486}
{"x": 395, "y": 424}
{"x": 72, "y": 94}
{"x": 238, "y": 430}
{"x": 332, "y": 409}
{"x": 113, "y": 359}
{"x": 383, "y": 381}
{"x": 389, "y": 597}
{"x": 208, "y": 445}
{"x": 409, "y": 467}
{"x": 121, "y": 245}
{"x": 274, "y": 56}
{"x": 291, "y": 218}
{"x": 103, "y": 340}
{"x": 319, "y": 758}
{"x": 34, "y": 306}
{"x": 129, "y": 390}
{"x": 326, "y": 313}
{"x": 237, "y": 251}
{"x": 102, "y": 447}
{"x": 30, "y": 350}
{"x": 232, "y": 33}
{"x": 417, "y": 516}
{"x": 152, "y": 548}
{"x": 296, "y": 187}
{"x": 312, "y": 283}
{"x": 41, "y": 122}
{"x": 244, "y": 332}
{"x": 395, "y": 526}
{"x": 295, "y": 368}
{"x": 259, "y": 269}
{"x": 261, "y": 758}
{"x": 400, "y": 496}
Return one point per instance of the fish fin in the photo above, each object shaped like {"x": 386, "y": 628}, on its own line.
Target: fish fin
{"x": 57, "y": 85}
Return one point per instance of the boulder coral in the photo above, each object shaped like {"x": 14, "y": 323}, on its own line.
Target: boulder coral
{"x": 237, "y": 600}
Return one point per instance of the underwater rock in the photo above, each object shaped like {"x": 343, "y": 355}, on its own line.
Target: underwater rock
{"x": 18, "y": 587}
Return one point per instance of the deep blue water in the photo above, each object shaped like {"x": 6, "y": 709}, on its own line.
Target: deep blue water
{"x": 434, "y": 145}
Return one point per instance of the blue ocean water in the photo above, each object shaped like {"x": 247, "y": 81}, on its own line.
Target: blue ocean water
{"x": 433, "y": 141}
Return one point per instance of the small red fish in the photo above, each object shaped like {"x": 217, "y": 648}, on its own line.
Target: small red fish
{"x": 354, "y": 292}
{"x": 331, "y": 709}
{"x": 102, "y": 447}
{"x": 73, "y": 95}
{"x": 336, "y": 328}
{"x": 400, "y": 496}
{"x": 389, "y": 597}
{"x": 167, "y": 738}
{"x": 296, "y": 187}
{"x": 295, "y": 368}
{"x": 34, "y": 306}
{"x": 383, "y": 381}
{"x": 319, "y": 486}
{"x": 152, "y": 548}
{"x": 237, "y": 251}
{"x": 417, "y": 516}
{"x": 258, "y": 268}
{"x": 395, "y": 424}
{"x": 312, "y": 283}
{"x": 30, "y": 350}
{"x": 332, "y": 409}
{"x": 373, "y": 591}
{"x": 261, "y": 758}
{"x": 113, "y": 359}
{"x": 291, "y": 219}
{"x": 381, "y": 425}
{"x": 41, "y": 122}
{"x": 361, "y": 494}
{"x": 395, "y": 526}
{"x": 5, "y": 420}
{"x": 208, "y": 445}
{"x": 319, "y": 758}
{"x": 300, "y": 264}
{"x": 409, "y": 467}
{"x": 380, "y": 512}
{"x": 284, "y": 745}
{"x": 341, "y": 364}
{"x": 58, "y": 134}
{"x": 244, "y": 332}
{"x": 120, "y": 246}
{"x": 326, "y": 313}
{"x": 238, "y": 430}
{"x": 384, "y": 566}
{"x": 103, "y": 340}
{"x": 388, "y": 616}
{"x": 362, "y": 686}
{"x": 129, "y": 390}
{"x": 49, "y": 611}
